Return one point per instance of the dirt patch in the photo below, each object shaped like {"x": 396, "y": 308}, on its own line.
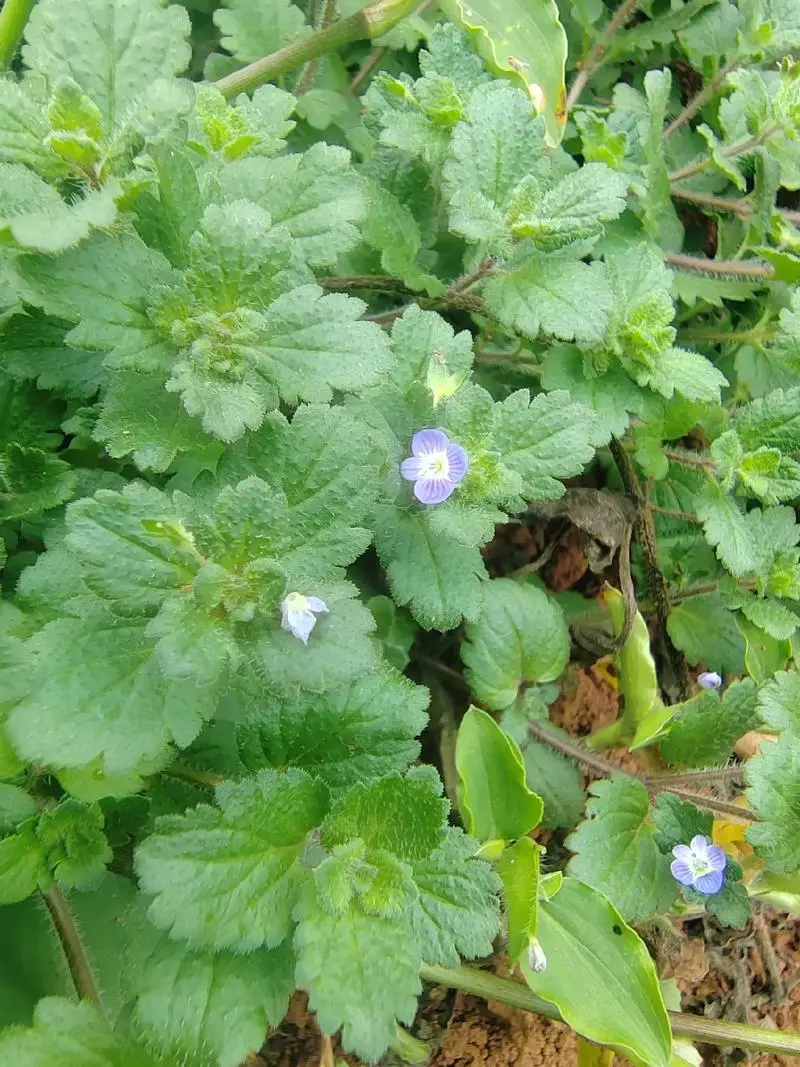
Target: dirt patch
{"x": 588, "y": 701}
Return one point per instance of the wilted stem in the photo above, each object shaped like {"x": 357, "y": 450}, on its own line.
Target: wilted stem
{"x": 367, "y": 24}
{"x": 13, "y": 19}
{"x": 80, "y": 968}
{"x": 695, "y": 1027}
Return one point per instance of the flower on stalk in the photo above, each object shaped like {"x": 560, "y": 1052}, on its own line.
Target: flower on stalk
{"x": 700, "y": 865}
{"x": 435, "y": 466}
{"x": 709, "y": 680}
{"x": 298, "y": 614}
{"x": 537, "y": 961}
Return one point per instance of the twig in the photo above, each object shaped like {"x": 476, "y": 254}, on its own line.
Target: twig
{"x": 309, "y": 71}
{"x": 696, "y": 1027}
{"x": 689, "y": 459}
{"x": 767, "y": 950}
{"x": 734, "y": 150}
{"x": 731, "y": 268}
{"x": 367, "y": 24}
{"x": 578, "y": 752}
{"x": 673, "y": 513}
{"x": 455, "y": 298}
{"x": 370, "y": 63}
{"x": 13, "y": 19}
{"x": 699, "y": 101}
{"x": 737, "y": 206}
{"x": 715, "y": 774}
{"x": 80, "y": 968}
{"x": 597, "y": 54}
{"x": 646, "y": 536}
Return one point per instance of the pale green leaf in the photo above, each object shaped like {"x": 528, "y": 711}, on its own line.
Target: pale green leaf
{"x": 690, "y": 374}
{"x": 615, "y": 851}
{"x": 495, "y": 801}
{"x": 518, "y": 867}
{"x": 362, "y": 731}
{"x": 524, "y": 42}
{"x": 205, "y": 1005}
{"x": 228, "y": 876}
{"x": 21, "y": 866}
{"x": 73, "y": 844}
{"x": 772, "y": 776}
{"x": 600, "y": 975}
{"x": 457, "y": 912}
{"x": 772, "y": 421}
{"x": 113, "y": 49}
{"x": 251, "y": 29}
{"x": 558, "y": 781}
{"x": 519, "y": 637}
{"x": 779, "y": 703}
{"x": 708, "y": 727}
{"x": 726, "y": 528}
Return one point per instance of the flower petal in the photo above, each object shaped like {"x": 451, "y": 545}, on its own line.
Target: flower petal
{"x": 717, "y": 858}
{"x": 709, "y": 680}
{"x": 409, "y": 468}
{"x": 458, "y": 463}
{"x": 699, "y": 845}
{"x": 710, "y": 883}
{"x": 682, "y": 872}
{"x": 433, "y": 490}
{"x": 317, "y": 605}
{"x": 682, "y": 852}
{"x": 426, "y": 441}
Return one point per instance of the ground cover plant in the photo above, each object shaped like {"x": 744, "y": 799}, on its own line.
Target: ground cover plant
{"x": 309, "y": 314}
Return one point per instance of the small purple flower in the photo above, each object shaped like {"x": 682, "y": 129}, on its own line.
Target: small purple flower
{"x": 709, "y": 680}
{"x": 298, "y": 614}
{"x": 435, "y": 466}
{"x": 700, "y": 865}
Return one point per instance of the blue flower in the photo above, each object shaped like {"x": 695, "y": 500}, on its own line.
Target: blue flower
{"x": 435, "y": 466}
{"x": 298, "y": 614}
{"x": 709, "y": 680}
{"x": 700, "y": 865}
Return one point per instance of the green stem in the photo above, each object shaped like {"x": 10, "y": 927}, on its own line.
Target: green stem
{"x": 599, "y": 52}
{"x": 737, "y": 337}
{"x": 13, "y": 19}
{"x": 738, "y": 149}
{"x": 698, "y": 102}
{"x": 80, "y": 968}
{"x": 731, "y": 268}
{"x": 695, "y": 1027}
{"x": 367, "y": 24}
{"x": 203, "y": 779}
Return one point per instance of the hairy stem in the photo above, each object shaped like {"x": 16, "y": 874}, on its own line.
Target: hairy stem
{"x": 673, "y": 513}
{"x": 13, "y": 19}
{"x": 666, "y": 784}
{"x": 698, "y": 102}
{"x": 689, "y": 459}
{"x": 696, "y": 1027}
{"x": 309, "y": 71}
{"x": 455, "y": 298}
{"x": 596, "y": 56}
{"x": 731, "y": 268}
{"x": 80, "y": 968}
{"x": 733, "y": 337}
{"x": 203, "y": 779}
{"x": 367, "y": 24}
{"x": 736, "y": 205}
{"x": 734, "y": 150}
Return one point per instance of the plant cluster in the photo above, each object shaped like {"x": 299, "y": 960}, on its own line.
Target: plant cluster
{"x": 290, "y": 324}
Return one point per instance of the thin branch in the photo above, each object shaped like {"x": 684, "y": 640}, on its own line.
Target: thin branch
{"x": 733, "y": 337}
{"x": 578, "y": 752}
{"x": 696, "y": 1027}
{"x": 734, "y": 150}
{"x": 366, "y": 24}
{"x": 731, "y": 268}
{"x": 598, "y": 52}
{"x": 203, "y": 779}
{"x": 309, "y": 71}
{"x": 689, "y": 459}
{"x": 673, "y": 513}
{"x": 13, "y": 20}
{"x": 367, "y": 67}
{"x": 715, "y": 774}
{"x": 737, "y": 206}
{"x": 698, "y": 102}
{"x": 456, "y": 298}
{"x": 80, "y": 968}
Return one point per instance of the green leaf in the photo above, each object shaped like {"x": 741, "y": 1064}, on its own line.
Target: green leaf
{"x": 228, "y": 877}
{"x": 202, "y": 1005}
{"x": 779, "y": 703}
{"x": 31, "y": 481}
{"x": 495, "y": 801}
{"x": 439, "y": 579}
{"x": 66, "y": 1034}
{"x": 705, "y": 630}
{"x": 519, "y": 637}
{"x": 456, "y": 912}
{"x": 708, "y": 727}
{"x": 34, "y": 348}
{"x": 611, "y": 396}
{"x": 562, "y": 297}
{"x": 359, "y": 732}
{"x": 316, "y": 195}
{"x": 615, "y": 851}
{"x": 403, "y": 815}
{"x": 685, "y": 372}
{"x": 731, "y": 905}
{"x": 15, "y": 806}
{"x": 573, "y": 209}
{"x": 678, "y": 821}
{"x": 24, "y": 129}
{"x": 73, "y": 843}
{"x": 21, "y": 866}
{"x": 727, "y": 529}
{"x": 772, "y": 776}
{"x": 772, "y": 421}
{"x": 525, "y": 42}
{"x": 340, "y": 948}
{"x": 600, "y": 975}
{"x": 557, "y": 780}
{"x": 250, "y": 29}
{"x": 114, "y": 49}
{"x": 518, "y": 866}
{"x": 763, "y": 653}
{"x": 544, "y": 439}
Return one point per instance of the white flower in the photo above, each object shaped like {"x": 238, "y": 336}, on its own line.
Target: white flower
{"x": 298, "y": 614}
{"x": 537, "y": 961}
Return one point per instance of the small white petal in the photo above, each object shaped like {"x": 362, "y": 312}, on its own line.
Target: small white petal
{"x": 537, "y": 961}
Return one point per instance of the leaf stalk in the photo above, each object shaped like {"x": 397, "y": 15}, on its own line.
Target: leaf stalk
{"x": 13, "y": 19}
